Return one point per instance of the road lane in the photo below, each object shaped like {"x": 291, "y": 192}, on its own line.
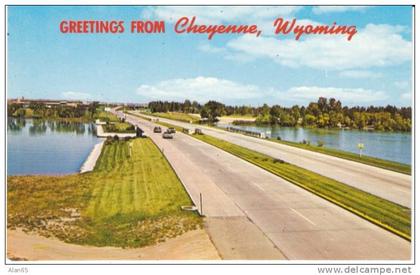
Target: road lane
{"x": 390, "y": 185}
{"x": 296, "y": 223}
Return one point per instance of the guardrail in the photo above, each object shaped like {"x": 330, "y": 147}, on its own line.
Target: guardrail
{"x": 246, "y": 132}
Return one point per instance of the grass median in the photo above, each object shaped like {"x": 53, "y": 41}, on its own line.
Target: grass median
{"x": 183, "y": 117}
{"x": 129, "y": 200}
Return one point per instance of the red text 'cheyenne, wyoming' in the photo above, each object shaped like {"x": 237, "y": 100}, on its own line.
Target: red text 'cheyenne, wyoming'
{"x": 189, "y": 25}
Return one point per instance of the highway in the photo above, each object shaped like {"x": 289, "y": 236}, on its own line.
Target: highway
{"x": 253, "y": 214}
{"x": 386, "y": 184}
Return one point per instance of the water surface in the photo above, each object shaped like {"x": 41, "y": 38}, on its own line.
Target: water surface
{"x": 47, "y": 147}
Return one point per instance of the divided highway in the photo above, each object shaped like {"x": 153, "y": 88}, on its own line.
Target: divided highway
{"x": 386, "y": 184}
{"x": 253, "y": 214}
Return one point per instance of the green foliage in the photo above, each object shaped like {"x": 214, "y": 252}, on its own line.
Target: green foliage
{"x": 326, "y": 113}
{"x": 126, "y": 201}
{"x": 78, "y": 112}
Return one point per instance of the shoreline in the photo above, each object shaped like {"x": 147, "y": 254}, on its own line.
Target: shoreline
{"x": 89, "y": 164}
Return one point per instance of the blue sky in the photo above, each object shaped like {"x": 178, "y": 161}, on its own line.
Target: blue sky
{"x": 374, "y": 68}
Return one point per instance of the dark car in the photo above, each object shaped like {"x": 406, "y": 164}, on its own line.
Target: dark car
{"x": 157, "y": 130}
{"x": 171, "y": 130}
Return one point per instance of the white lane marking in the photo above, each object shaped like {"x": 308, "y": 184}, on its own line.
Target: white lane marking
{"x": 300, "y": 214}
{"x": 259, "y": 187}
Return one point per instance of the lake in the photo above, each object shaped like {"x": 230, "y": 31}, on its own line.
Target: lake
{"x": 47, "y": 147}
{"x": 395, "y": 146}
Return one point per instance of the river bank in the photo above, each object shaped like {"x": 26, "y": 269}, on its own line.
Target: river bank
{"x": 91, "y": 160}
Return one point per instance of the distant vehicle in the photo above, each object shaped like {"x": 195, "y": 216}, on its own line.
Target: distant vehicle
{"x": 168, "y": 135}
{"x": 171, "y": 130}
{"x": 198, "y": 131}
{"x": 157, "y": 130}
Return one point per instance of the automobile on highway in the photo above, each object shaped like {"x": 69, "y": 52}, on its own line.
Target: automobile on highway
{"x": 168, "y": 135}
{"x": 157, "y": 130}
{"x": 171, "y": 130}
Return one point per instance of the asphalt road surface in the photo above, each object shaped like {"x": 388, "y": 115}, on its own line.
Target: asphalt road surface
{"x": 253, "y": 214}
{"x": 386, "y": 184}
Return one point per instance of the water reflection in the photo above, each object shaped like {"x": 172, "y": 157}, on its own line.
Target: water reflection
{"x": 36, "y": 146}
{"x": 15, "y": 125}
{"x": 43, "y": 127}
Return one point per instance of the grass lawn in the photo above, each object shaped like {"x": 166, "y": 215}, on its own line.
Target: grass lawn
{"x": 127, "y": 201}
{"x": 106, "y": 116}
{"x": 381, "y": 163}
{"x": 178, "y": 116}
{"x": 119, "y": 127}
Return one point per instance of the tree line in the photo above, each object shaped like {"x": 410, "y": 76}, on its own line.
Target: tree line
{"x": 42, "y": 110}
{"x": 325, "y": 113}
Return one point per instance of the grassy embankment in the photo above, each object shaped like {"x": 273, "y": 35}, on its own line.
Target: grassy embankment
{"x": 127, "y": 201}
{"x": 183, "y": 117}
{"x": 388, "y": 215}
{"x": 381, "y": 163}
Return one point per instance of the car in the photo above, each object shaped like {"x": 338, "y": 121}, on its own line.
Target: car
{"x": 171, "y": 130}
{"x": 157, "y": 130}
{"x": 168, "y": 135}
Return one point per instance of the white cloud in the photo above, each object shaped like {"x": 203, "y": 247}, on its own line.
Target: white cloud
{"x": 373, "y": 46}
{"x": 402, "y": 85}
{"x": 208, "y": 48}
{"x": 346, "y": 95}
{"x": 201, "y": 89}
{"x": 335, "y": 9}
{"x": 75, "y": 95}
{"x": 217, "y": 15}
{"x": 360, "y": 74}
{"x": 406, "y": 96}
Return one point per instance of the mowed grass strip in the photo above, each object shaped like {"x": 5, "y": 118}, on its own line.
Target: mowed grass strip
{"x": 177, "y": 116}
{"x": 381, "y": 163}
{"x": 384, "y": 213}
{"x": 129, "y": 200}
{"x": 119, "y": 127}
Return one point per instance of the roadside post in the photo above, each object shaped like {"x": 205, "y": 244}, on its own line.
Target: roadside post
{"x": 201, "y": 204}
{"x": 130, "y": 145}
{"x": 361, "y": 146}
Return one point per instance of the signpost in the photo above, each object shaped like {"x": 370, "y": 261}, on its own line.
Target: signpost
{"x": 361, "y": 146}
{"x": 130, "y": 145}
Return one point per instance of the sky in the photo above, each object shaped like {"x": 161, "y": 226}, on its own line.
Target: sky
{"x": 374, "y": 68}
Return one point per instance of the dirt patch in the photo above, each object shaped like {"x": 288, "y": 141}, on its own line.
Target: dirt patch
{"x": 193, "y": 245}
